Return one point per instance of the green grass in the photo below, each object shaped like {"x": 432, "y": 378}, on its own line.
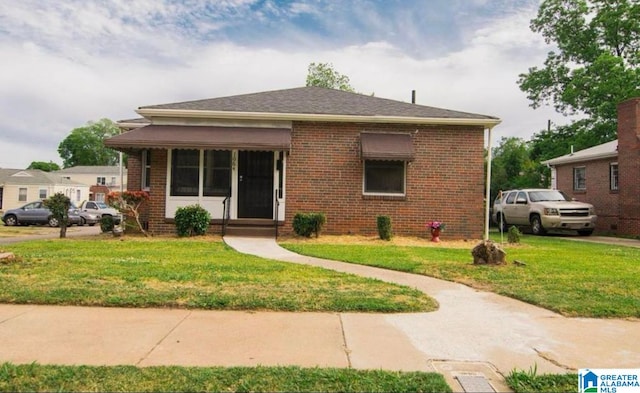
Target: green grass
{"x": 190, "y": 273}
{"x": 573, "y": 278}
{"x": 42, "y": 378}
{"x": 530, "y": 381}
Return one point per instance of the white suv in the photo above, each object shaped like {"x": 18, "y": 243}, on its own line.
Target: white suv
{"x": 543, "y": 210}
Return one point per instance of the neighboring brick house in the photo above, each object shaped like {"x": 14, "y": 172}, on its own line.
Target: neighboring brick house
{"x": 350, "y": 156}
{"x": 607, "y": 175}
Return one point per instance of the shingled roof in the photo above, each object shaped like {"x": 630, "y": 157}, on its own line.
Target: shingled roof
{"x": 316, "y": 101}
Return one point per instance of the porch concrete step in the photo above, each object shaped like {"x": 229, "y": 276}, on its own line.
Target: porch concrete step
{"x": 247, "y": 230}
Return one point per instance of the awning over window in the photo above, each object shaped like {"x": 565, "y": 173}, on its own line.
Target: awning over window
{"x": 202, "y": 137}
{"x": 390, "y": 147}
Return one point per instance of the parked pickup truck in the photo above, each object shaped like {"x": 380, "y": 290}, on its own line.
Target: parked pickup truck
{"x": 542, "y": 210}
{"x": 101, "y": 209}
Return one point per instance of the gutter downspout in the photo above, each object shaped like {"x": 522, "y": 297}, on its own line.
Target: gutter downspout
{"x": 488, "y": 188}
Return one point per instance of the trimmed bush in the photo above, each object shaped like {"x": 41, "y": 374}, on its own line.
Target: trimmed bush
{"x": 384, "y": 227}
{"x": 192, "y": 220}
{"x": 107, "y": 223}
{"x": 306, "y": 224}
{"x": 514, "y": 234}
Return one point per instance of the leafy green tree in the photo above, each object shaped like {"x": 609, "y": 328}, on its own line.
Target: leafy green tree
{"x": 324, "y": 75}
{"x": 59, "y": 205}
{"x": 44, "y": 166}
{"x": 596, "y": 64}
{"x": 84, "y": 145}
{"x": 512, "y": 166}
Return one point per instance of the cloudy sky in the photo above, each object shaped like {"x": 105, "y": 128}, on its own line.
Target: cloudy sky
{"x": 67, "y": 62}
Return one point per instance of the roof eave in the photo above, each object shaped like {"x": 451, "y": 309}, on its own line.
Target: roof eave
{"x": 151, "y": 112}
{"x": 570, "y": 160}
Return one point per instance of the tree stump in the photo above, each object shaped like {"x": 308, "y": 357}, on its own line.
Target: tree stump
{"x": 488, "y": 253}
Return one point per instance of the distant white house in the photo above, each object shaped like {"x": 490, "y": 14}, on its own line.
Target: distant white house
{"x": 18, "y": 187}
{"x": 101, "y": 179}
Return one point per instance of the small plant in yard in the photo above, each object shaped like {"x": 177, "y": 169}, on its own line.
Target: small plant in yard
{"x": 129, "y": 202}
{"x": 192, "y": 220}
{"x": 306, "y": 224}
{"x": 514, "y": 235}
{"x": 59, "y": 205}
{"x": 530, "y": 381}
{"x": 384, "y": 227}
{"x": 107, "y": 223}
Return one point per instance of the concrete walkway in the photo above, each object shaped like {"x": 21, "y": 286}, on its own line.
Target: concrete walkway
{"x": 472, "y": 333}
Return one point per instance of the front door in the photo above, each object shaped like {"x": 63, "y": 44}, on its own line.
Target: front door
{"x": 255, "y": 184}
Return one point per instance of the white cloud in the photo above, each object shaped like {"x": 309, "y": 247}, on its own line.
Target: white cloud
{"x": 58, "y": 77}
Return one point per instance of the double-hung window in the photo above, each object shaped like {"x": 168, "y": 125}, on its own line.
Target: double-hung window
{"x": 613, "y": 176}
{"x": 146, "y": 169}
{"x": 187, "y": 178}
{"x": 579, "y": 179}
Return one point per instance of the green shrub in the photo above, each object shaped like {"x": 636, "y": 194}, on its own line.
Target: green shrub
{"x": 306, "y": 224}
{"x": 514, "y": 234}
{"x": 192, "y": 220}
{"x": 384, "y": 227}
{"x": 107, "y": 223}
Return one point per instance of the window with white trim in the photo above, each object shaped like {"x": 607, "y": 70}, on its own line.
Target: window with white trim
{"x": 579, "y": 178}
{"x": 22, "y": 195}
{"x": 146, "y": 170}
{"x": 613, "y": 176}
{"x": 384, "y": 177}
{"x": 185, "y": 172}
{"x": 43, "y": 193}
{"x": 101, "y": 180}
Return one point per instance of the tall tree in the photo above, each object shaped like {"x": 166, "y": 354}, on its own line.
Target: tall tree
{"x": 44, "y": 166}
{"x": 324, "y": 75}
{"x": 84, "y": 145}
{"x": 595, "y": 66}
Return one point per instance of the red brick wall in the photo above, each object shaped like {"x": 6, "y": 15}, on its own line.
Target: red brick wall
{"x": 445, "y": 181}
{"x": 629, "y": 166}
{"x": 324, "y": 174}
{"x": 598, "y": 192}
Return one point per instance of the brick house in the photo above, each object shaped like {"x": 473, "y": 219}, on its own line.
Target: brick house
{"x": 310, "y": 149}
{"x": 607, "y": 175}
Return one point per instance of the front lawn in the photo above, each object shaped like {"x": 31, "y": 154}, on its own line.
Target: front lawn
{"x": 573, "y": 278}
{"x": 191, "y": 273}
{"x": 41, "y": 378}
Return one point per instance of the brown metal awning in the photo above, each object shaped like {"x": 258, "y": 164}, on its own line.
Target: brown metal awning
{"x": 381, "y": 146}
{"x": 202, "y": 137}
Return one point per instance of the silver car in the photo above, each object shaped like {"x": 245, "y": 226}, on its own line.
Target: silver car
{"x": 35, "y": 213}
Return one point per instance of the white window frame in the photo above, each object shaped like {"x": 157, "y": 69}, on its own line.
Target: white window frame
{"x": 614, "y": 177}
{"x": 101, "y": 180}
{"x": 41, "y": 192}
{"x": 576, "y": 179}
{"x": 146, "y": 170}
{"x": 378, "y": 193}
{"x": 22, "y": 194}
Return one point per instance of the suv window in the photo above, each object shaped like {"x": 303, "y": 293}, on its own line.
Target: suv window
{"x": 522, "y": 197}
{"x": 511, "y": 197}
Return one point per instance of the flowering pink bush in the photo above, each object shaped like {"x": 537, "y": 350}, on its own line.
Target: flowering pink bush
{"x": 435, "y": 225}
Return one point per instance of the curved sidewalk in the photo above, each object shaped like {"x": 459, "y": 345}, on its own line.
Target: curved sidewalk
{"x": 472, "y": 325}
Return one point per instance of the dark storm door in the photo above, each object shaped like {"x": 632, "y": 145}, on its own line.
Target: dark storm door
{"x": 255, "y": 184}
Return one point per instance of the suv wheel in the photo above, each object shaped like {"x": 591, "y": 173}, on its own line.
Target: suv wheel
{"x": 53, "y": 222}
{"x": 11, "y": 220}
{"x": 536, "y": 225}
